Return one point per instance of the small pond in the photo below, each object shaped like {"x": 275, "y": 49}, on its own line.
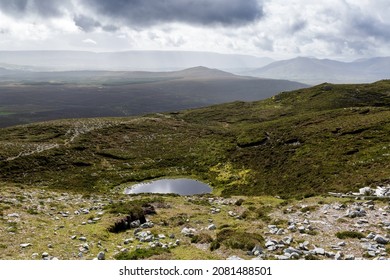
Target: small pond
{"x": 177, "y": 186}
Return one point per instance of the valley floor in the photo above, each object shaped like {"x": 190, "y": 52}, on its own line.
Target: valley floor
{"x": 44, "y": 224}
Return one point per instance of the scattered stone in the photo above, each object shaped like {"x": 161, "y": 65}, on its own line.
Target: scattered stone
{"x": 82, "y": 238}
{"x": 212, "y": 227}
{"x": 13, "y": 215}
{"x": 371, "y": 235}
{"x": 73, "y": 237}
{"x": 287, "y": 240}
{"x": 188, "y": 231}
{"x": 349, "y": 257}
{"x": 172, "y": 236}
{"x": 342, "y": 243}
{"x": 330, "y": 254}
{"x": 233, "y": 258}
{"x": 101, "y": 256}
{"x": 128, "y": 241}
{"x": 371, "y": 254}
{"x": 161, "y": 236}
{"x": 45, "y": 255}
{"x": 135, "y": 224}
{"x": 282, "y": 257}
{"x": 339, "y": 256}
{"x": 34, "y": 255}
{"x": 291, "y": 250}
{"x": 25, "y": 245}
{"x": 269, "y": 243}
{"x": 357, "y": 212}
{"x": 232, "y": 214}
{"x": 148, "y": 224}
{"x": 257, "y": 250}
{"x": 319, "y": 251}
{"x": 380, "y": 239}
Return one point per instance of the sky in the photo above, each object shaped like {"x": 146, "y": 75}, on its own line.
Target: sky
{"x": 280, "y": 29}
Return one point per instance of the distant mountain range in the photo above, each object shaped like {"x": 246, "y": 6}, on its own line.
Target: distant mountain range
{"x": 316, "y": 71}
{"x": 127, "y": 61}
{"x": 300, "y": 69}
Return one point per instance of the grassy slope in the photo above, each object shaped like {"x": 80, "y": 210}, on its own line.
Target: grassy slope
{"x": 310, "y": 141}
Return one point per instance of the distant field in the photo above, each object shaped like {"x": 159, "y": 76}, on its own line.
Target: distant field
{"x": 32, "y": 98}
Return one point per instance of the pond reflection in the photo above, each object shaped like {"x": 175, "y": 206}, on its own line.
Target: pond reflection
{"x": 177, "y": 186}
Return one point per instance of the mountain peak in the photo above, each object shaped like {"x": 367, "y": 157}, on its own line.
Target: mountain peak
{"x": 205, "y": 72}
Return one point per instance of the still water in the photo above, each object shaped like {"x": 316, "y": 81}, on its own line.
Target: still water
{"x": 177, "y": 186}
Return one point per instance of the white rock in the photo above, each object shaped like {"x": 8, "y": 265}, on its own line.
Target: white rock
{"x": 319, "y": 251}
{"x": 25, "y": 245}
{"x": 13, "y": 215}
{"x": 212, "y": 227}
{"x": 233, "y": 258}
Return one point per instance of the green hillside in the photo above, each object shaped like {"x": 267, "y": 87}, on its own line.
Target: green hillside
{"x": 300, "y": 143}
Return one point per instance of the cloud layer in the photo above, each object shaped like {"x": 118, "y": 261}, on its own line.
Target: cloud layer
{"x": 142, "y": 13}
{"x": 277, "y": 28}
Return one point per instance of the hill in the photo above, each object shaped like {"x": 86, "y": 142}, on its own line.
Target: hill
{"x": 315, "y": 71}
{"x": 27, "y": 96}
{"x": 300, "y": 143}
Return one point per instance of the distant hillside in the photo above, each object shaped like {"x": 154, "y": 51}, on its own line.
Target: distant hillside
{"x": 315, "y": 71}
{"x": 27, "y": 96}
{"x": 128, "y": 61}
{"x": 295, "y": 144}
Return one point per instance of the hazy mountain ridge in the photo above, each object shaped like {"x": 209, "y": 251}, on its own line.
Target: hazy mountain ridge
{"x": 315, "y": 71}
{"x": 128, "y": 60}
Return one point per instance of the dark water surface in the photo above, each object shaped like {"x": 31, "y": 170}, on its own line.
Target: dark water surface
{"x": 178, "y": 186}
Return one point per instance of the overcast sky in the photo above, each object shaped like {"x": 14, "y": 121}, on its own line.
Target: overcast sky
{"x": 338, "y": 29}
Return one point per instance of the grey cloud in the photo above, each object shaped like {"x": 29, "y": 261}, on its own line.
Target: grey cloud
{"x": 87, "y": 24}
{"x": 110, "y": 28}
{"x": 44, "y": 8}
{"x": 370, "y": 27}
{"x": 143, "y": 13}
{"x": 297, "y": 26}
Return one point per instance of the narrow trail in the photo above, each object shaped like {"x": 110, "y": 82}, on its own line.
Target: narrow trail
{"x": 72, "y": 134}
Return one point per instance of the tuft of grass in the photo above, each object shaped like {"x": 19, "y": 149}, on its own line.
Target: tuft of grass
{"x": 141, "y": 254}
{"x": 202, "y": 238}
{"x": 349, "y": 234}
{"x": 236, "y": 240}
{"x": 308, "y": 208}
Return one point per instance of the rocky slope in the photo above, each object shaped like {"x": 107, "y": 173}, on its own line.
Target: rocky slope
{"x": 37, "y": 223}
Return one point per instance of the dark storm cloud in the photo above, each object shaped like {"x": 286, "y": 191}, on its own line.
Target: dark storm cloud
{"x": 144, "y": 13}
{"x": 44, "y": 8}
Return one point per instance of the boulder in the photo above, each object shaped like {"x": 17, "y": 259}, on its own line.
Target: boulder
{"x": 380, "y": 239}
